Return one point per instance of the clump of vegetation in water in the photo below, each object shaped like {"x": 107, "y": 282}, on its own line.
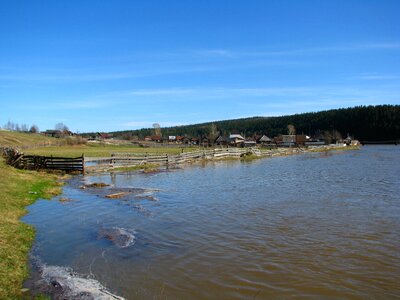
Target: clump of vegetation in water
{"x": 146, "y": 168}
{"x": 249, "y": 156}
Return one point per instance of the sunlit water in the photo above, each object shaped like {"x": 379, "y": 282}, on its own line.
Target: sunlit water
{"x": 324, "y": 225}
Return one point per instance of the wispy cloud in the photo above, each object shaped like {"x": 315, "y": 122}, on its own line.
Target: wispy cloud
{"x": 64, "y": 77}
{"x": 378, "y": 77}
{"x": 64, "y": 105}
{"x": 231, "y": 53}
{"x": 188, "y": 61}
{"x": 260, "y": 96}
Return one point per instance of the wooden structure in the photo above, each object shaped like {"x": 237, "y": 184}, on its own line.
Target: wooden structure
{"x": 35, "y": 162}
{"x": 136, "y": 159}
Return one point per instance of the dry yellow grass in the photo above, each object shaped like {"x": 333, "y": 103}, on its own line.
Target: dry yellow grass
{"x": 20, "y": 139}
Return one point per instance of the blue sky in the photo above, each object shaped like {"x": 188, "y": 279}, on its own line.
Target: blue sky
{"x": 120, "y": 65}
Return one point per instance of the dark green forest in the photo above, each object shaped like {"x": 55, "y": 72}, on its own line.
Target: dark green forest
{"x": 365, "y": 123}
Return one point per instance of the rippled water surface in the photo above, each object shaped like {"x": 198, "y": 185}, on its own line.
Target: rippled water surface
{"x": 324, "y": 225}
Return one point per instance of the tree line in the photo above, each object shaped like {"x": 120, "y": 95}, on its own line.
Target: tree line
{"x": 13, "y": 126}
{"x": 365, "y": 123}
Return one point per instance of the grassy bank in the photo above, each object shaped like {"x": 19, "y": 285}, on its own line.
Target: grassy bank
{"x": 97, "y": 150}
{"x": 18, "y": 189}
{"x": 21, "y": 139}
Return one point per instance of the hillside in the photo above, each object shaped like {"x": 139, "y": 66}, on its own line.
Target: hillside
{"x": 367, "y": 123}
{"x": 21, "y": 139}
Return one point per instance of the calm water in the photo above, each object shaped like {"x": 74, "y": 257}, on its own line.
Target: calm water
{"x": 311, "y": 226}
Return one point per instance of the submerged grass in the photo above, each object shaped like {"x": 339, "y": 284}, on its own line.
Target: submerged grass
{"x": 344, "y": 148}
{"x": 144, "y": 167}
{"x": 18, "y": 189}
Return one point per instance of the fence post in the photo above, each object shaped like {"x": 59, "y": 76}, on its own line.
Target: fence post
{"x": 83, "y": 163}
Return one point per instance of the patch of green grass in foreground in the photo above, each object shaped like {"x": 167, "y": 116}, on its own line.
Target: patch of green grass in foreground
{"x": 101, "y": 150}
{"x": 18, "y": 189}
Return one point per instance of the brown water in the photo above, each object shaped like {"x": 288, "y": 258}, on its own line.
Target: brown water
{"x": 324, "y": 225}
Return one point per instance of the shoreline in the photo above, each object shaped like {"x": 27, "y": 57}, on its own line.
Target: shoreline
{"x": 251, "y": 154}
{"x": 20, "y": 188}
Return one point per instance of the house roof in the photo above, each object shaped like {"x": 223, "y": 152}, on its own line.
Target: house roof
{"x": 236, "y": 136}
{"x": 221, "y": 139}
{"x": 50, "y": 131}
{"x": 264, "y": 138}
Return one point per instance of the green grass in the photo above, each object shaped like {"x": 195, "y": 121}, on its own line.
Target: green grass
{"x": 18, "y": 189}
{"x": 101, "y": 150}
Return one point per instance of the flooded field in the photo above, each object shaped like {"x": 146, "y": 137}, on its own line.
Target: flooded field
{"x": 322, "y": 225}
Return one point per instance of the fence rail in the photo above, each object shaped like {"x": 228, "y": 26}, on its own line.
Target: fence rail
{"x": 34, "y": 162}
{"x": 136, "y": 159}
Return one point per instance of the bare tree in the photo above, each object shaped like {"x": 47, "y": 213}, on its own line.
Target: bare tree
{"x": 34, "y": 129}
{"x": 291, "y": 129}
{"x": 213, "y": 133}
{"x": 9, "y": 126}
{"x": 157, "y": 129}
{"x": 61, "y": 127}
{"x": 332, "y": 136}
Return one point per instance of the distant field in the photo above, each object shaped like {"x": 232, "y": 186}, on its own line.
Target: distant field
{"x": 20, "y": 139}
{"x": 99, "y": 150}
{"x": 41, "y": 145}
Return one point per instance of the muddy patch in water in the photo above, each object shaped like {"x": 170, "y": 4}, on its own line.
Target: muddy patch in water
{"x": 120, "y": 237}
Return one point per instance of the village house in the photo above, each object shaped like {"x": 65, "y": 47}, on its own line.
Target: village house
{"x": 103, "y": 136}
{"x": 52, "y": 133}
{"x": 180, "y": 139}
{"x": 264, "y": 140}
{"x": 205, "y": 142}
{"x": 221, "y": 141}
{"x": 153, "y": 138}
{"x": 194, "y": 141}
{"x": 249, "y": 143}
{"x": 301, "y": 139}
{"x": 57, "y": 133}
{"x": 286, "y": 140}
{"x": 236, "y": 139}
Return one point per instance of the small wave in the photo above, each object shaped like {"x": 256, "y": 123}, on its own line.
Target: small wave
{"x": 121, "y": 237}
{"x": 64, "y": 283}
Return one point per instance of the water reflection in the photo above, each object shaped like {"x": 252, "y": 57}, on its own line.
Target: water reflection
{"x": 317, "y": 225}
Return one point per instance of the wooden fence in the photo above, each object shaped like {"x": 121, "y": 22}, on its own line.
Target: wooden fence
{"x": 136, "y": 159}
{"x": 35, "y": 162}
